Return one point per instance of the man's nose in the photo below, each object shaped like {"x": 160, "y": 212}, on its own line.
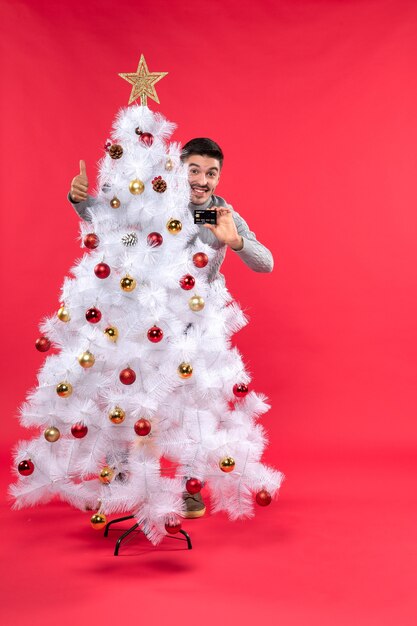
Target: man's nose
{"x": 202, "y": 180}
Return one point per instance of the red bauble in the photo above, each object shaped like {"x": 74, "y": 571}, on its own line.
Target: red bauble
{"x": 79, "y": 430}
{"x": 143, "y": 427}
{"x": 26, "y": 467}
{"x": 200, "y": 259}
{"x": 263, "y": 497}
{"x": 155, "y": 239}
{"x": 173, "y": 527}
{"x": 93, "y": 315}
{"x": 155, "y": 334}
{"x": 91, "y": 241}
{"x": 146, "y": 138}
{"x": 102, "y": 270}
{"x": 187, "y": 282}
{"x": 127, "y": 376}
{"x": 240, "y": 390}
{"x": 193, "y": 485}
{"x": 42, "y": 344}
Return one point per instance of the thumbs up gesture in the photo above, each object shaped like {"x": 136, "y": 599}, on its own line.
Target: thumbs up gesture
{"x": 79, "y": 184}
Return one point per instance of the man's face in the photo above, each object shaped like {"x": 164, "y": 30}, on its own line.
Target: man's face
{"x": 203, "y": 176}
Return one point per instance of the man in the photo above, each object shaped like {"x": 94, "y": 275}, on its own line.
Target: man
{"x": 204, "y": 160}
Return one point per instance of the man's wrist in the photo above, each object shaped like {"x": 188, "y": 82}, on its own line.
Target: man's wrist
{"x": 236, "y": 244}
{"x": 71, "y": 199}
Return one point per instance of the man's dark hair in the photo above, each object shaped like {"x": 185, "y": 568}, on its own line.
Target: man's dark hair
{"x": 204, "y": 147}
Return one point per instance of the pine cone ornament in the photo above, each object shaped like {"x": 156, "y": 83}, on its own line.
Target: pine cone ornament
{"x": 115, "y": 151}
{"x": 159, "y": 184}
{"x": 130, "y": 239}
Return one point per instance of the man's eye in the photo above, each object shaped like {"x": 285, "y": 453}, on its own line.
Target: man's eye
{"x": 194, "y": 171}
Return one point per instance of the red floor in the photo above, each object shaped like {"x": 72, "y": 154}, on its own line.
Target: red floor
{"x": 339, "y": 547}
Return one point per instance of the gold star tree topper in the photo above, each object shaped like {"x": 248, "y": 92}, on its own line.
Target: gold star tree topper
{"x": 143, "y": 82}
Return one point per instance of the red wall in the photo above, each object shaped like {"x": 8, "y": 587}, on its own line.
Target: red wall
{"x": 314, "y": 103}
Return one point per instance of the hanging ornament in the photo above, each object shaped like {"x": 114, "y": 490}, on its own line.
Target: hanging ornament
{"x": 98, "y": 521}
{"x": 187, "y": 282}
{"x": 200, "y": 259}
{"x": 106, "y": 475}
{"x": 42, "y": 344}
{"x": 174, "y": 226}
{"x": 154, "y": 239}
{"x": 93, "y": 315}
{"x": 86, "y": 359}
{"x": 147, "y": 139}
{"x": 138, "y": 131}
{"x": 51, "y": 434}
{"x": 107, "y": 145}
{"x": 102, "y": 270}
{"x": 117, "y": 415}
{"x": 240, "y": 390}
{"x": 26, "y": 467}
{"x": 130, "y": 239}
{"x": 115, "y": 203}
{"x": 159, "y": 184}
{"x": 143, "y": 427}
{"x": 64, "y": 389}
{"x": 111, "y": 333}
{"x": 91, "y": 241}
{"x": 155, "y": 334}
{"x": 136, "y": 187}
{"x": 193, "y": 485}
{"x": 127, "y": 376}
{"x": 196, "y": 303}
{"x": 169, "y": 165}
{"x": 263, "y": 497}
{"x": 115, "y": 151}
{"x": 185, "y": 370}
{"x": 128, "y": 283}
{"x": 173, "y": 527}
{"x": 79, "y": 430}
{"x": 63, "y": 313}
{"x": 227, "y": 464}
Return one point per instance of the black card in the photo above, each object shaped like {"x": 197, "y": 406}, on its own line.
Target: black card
{"x": 206, "y": 216}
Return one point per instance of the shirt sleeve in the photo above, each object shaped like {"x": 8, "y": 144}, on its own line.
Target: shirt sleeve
{"x": 254, "y": 254}
{"x": 81, "y": 207}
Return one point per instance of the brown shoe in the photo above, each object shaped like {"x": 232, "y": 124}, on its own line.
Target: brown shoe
{"x": 194, "y": 505}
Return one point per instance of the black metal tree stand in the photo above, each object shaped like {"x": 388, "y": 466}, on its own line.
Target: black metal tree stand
{"x": 133, "y": 528}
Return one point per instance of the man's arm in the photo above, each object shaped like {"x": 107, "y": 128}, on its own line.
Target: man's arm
{"x": 232, "y": 230}
{"x": 254, "y": 254}
{"x": 78, "y": 196}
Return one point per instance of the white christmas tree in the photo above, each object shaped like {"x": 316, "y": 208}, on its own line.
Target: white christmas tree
{"x": 143, "y": 368}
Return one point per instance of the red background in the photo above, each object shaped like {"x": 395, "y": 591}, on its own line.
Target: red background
{"x": 314, "y": 103}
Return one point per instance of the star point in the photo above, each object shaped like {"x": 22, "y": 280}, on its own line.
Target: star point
{"x": 143, "y": 82}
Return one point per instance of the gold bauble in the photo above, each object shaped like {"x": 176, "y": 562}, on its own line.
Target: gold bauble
{"x": 51, "y": 434}
{"x": 196, "y": 303}
{"x": 98, "y": 521}
{"x": 127, "y": 283}
{"x": 117, "y": 415}
{"x": 227, "y": 464}
{"x": 63, "y": 314}
{"x": 169, "y": 165}
{"x": 64, "y": 389}
{"x": 106, "y": 475}
{"x": 174, "y": 226}
{"x": 136, "y": 187}
{"x": 185, "y": 370}
{"x": 115, "y": 203}
{"x": 86, "y": 359}
{"x": 111, "y": 333}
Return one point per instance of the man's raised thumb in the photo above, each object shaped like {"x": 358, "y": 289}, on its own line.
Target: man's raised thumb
{"x": 83, "y": 169}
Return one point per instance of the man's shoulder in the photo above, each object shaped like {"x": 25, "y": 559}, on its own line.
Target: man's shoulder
{"x": 219, "y": 201}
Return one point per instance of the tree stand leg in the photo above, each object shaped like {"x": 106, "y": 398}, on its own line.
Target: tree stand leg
{"x": 134, "y": 527}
